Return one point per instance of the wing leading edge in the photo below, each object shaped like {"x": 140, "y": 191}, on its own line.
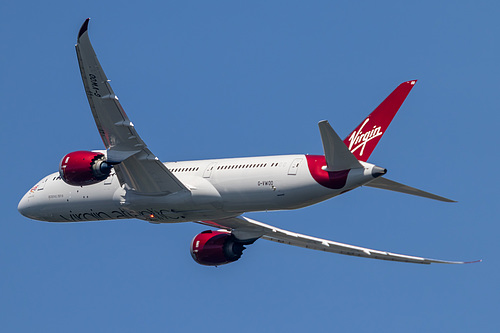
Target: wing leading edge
{"x": 244, "y": 228}
{"x": 135, "y": 165}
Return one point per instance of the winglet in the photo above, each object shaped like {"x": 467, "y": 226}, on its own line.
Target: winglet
{"x": 473, "y": 262}
{"x": 84, "y": 28}
{"x": 363, "y": 140}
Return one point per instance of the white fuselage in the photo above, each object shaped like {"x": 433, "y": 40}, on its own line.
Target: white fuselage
{"x": 217, "y": 189}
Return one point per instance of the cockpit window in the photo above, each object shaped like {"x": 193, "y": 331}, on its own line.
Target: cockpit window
{"x": 39, "y": 186}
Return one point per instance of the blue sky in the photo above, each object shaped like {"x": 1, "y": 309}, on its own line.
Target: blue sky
{"x": 220, "y": 79}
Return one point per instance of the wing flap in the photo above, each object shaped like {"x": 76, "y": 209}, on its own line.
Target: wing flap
{"x": 244, "y": 228}
{"x": 145, "y": 174}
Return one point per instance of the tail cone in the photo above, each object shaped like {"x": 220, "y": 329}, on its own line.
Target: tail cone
{"x": 377, "y": 171}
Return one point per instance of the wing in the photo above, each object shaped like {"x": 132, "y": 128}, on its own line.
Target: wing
{"x": 387, "y": 184}
{"x": 138, "y": 167}
{"x": 244, "y": 228}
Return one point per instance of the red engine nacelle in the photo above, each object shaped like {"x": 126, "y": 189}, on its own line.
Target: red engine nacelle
{"x": 214, "y": 248}
{"x": 81, "y": 168}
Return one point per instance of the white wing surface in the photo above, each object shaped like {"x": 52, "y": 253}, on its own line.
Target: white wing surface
{"x": 244, "y": 228}
{"x": 138, "y": 167}
{"x": 387, "y": 184}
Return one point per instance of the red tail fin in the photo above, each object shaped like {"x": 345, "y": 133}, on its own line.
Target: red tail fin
{"x": 363, "y": 140}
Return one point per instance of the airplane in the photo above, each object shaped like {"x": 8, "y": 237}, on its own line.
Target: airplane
{"x": 126, "y": 180}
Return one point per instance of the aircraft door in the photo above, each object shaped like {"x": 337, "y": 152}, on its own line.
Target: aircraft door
{"x": 208, "y": 170}
{"x": 294, "y": 166}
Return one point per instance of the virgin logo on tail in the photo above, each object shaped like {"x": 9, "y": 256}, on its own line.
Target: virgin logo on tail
{"x": 380, "y": 118}
{"x": 358, "y": 139}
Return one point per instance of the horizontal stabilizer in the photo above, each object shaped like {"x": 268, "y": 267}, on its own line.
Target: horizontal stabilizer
{"x": 337, "y": 155}
{"x": 386, "y": 184}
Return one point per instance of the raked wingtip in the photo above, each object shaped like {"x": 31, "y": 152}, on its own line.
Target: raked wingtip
{"x": 84, "y": 28}
{"x": 473, "y": 262}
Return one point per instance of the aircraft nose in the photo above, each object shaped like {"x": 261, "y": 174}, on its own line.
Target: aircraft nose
{"x": 24, "y": 206}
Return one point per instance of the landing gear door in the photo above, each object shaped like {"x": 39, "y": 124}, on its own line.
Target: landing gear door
{"x": 294, "y": 167}
{"x": 208, "y": 170}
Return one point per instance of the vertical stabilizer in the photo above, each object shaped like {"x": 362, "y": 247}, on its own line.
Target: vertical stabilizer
{"x": 363, "y": 140}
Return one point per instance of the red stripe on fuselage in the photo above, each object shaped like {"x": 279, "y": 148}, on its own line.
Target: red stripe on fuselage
{"x": 334, "y": 179}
